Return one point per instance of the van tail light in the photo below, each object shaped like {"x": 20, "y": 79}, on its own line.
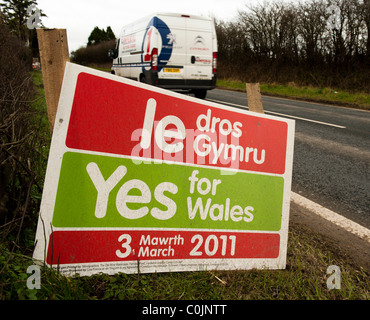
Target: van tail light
{"x": 155, "y": 59}
{"x": 214, "y": 62}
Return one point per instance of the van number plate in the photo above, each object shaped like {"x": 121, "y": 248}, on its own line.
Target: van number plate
{"x": 172, "y": 70}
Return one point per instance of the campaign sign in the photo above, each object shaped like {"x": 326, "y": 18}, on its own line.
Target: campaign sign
{"x": 145, "y": 179}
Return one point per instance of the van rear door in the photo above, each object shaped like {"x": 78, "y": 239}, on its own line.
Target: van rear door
{"x": 172, "y": 66}
{"x": 191, "y": 41}
{"x": 199, "y": 49}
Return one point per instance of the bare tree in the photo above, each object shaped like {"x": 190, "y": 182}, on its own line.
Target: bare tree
{"x": 280, "y": 42}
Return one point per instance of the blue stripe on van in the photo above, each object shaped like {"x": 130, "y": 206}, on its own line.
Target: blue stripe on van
{"x": 167, "y": 45}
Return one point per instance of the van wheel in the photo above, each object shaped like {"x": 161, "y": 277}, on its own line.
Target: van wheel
{"x": 142, "y": 78}
{"x": 200, "y": 94}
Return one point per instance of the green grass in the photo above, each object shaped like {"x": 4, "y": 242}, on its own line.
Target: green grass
{"x": 325, "y": 95}
{"x": 308, "y": 257}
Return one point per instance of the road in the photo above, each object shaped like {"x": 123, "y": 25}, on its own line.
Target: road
{"x": 331, "y": 152}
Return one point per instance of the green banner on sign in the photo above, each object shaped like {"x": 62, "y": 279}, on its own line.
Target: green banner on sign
{"x": 102, "y": 191}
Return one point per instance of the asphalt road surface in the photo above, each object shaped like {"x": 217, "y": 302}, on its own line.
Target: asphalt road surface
{"x": 331, "y": 163}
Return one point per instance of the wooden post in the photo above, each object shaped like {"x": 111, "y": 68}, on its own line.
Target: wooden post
{"x": 54, "y": 54}
{"x": 254, "y": 97}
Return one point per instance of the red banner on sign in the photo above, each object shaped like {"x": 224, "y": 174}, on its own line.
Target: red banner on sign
{"x": 113, "y": 117}
{"x": 66, "y": 247}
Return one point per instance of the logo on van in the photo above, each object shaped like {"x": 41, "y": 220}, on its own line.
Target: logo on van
{"x": 199, "y": 40}
{"x": 171, "y": 38}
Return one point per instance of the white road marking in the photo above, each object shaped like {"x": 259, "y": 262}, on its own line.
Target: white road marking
{"x": 281, "y": 114}
{"x": 331, "y": 216}
{"x": 229, "y": 103}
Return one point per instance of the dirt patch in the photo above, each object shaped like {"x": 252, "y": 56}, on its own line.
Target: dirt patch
{"x": 346, "y": 245}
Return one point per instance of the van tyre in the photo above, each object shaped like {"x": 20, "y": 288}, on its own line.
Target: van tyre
{"x": 200, "y": 94}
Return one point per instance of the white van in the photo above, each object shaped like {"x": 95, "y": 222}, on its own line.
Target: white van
{"x": 172, "y": 51}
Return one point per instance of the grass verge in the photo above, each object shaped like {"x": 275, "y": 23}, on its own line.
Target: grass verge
{"x": 324, "y": 95}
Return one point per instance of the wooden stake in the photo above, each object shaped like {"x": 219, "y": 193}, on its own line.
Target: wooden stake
{"x": 54, "y": 54}
{"x": 254, "y": 97}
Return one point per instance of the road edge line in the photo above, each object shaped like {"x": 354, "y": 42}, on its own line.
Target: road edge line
{"x": 279, "y": 114}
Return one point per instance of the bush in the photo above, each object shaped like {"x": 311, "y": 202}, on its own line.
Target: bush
{"x": 20, "y": 140}
{"x": 94, "y": 54}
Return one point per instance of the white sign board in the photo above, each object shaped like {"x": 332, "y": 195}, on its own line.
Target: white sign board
{"x": 144, "y": 177}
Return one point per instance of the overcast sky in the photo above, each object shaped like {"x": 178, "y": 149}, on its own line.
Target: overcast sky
{"x": 79, "y": 17}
